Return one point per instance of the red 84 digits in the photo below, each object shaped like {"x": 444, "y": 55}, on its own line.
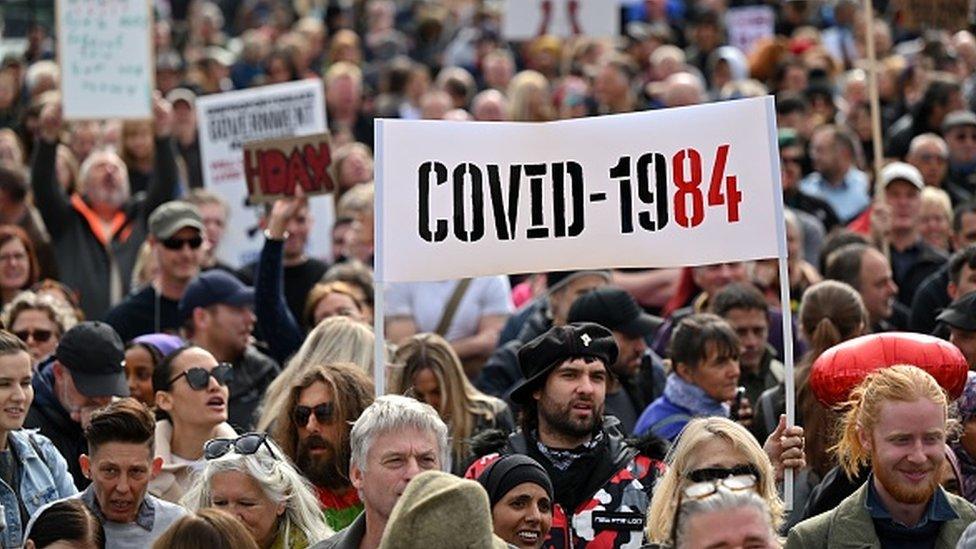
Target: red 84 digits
{"x": 654, "y": 173}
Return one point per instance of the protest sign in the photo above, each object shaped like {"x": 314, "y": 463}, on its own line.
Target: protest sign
{"x": 528, "y": 19}
{"x": 662, "y": 188}
{"x": 274, "y": 168}
{"x": 950, "y": 15}
{"x": 747, "y": 25}
{"x": 229, "y": 120}
{"x": 105, "y": 53}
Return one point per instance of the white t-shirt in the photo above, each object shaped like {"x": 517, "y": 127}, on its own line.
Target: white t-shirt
{"x": 425, "y": 303}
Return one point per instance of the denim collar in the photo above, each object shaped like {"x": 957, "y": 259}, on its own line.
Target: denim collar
{"x": 145, "y": 518}
{"x": 938, "y": 509}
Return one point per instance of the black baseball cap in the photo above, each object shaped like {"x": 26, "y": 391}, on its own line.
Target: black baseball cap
{"x": 961, "y": 313}
{"x": 215, "y": 287}
{"x": 541, "y": 355}
{"x": 92, "y": 351}
{"x": 615, "y": 309}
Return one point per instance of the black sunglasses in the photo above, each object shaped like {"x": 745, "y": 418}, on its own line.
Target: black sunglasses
{"x": 40, "y": 336}
{"x": 244, "y": 445}
{"x": 198, "y": 378}
{"x": 173, "y": 243}
{"x": 712, "y": 474}
{"x": 323, "y": 413}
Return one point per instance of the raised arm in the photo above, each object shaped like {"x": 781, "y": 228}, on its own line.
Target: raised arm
{"x": 165, "y": 180}
{"x": 49, "y": 198}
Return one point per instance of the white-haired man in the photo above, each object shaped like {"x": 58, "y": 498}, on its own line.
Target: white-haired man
{"x": 395, "y": 439}
{"x": 98, "y": 229}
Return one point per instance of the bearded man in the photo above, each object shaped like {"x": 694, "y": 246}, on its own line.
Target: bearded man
{"x": 313, "y": 426}
{"x": 896, "y": 422}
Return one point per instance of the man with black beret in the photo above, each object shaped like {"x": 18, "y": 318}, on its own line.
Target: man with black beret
{"x": 562, "y": 426}
{"x": 960, "y": 317}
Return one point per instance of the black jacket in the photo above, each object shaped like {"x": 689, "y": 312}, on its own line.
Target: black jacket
{"x": 252, "y": 375}
{"x": 931, "y": 297}
{"x": 49, "y": 416}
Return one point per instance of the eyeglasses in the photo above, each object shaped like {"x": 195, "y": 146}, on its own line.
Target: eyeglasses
{"x": 324, "y": 413}
{"x": 40, "y": 336}
{"x": 244, "y": 445}
{"x": 701, "y": 490}
{"x": 174, "y": 243}
{"x": 16, "y": 257}
{"x": 198, "y": 378}
{"x": 712, "y": 474}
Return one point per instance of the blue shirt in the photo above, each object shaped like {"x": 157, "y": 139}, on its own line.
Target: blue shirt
{"x": 848, "y": 199}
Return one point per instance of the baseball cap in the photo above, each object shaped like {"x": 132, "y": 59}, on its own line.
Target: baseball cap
{"x": 560, "y": 279}
{"x": 172, "y": 216}
{"x": 92, "y": 351}
{"x": 182, "y": 94}
{"x": 961, "y": 313}
{"x": 541, "y": 355}
{"x": 958, "y": 118}
{"x": 615, "y": 309}
{"x": 900, "y": 171}
{"x": 215, "y": 287}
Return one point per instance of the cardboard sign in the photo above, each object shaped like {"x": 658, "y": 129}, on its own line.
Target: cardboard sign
{"x": 227, "y": 121}
{"x": 748, "y": 25}
{"x": 684, "y": 186}
{"x": 950, "y": 15}
{"x": 105, "y": 53}
{"x": 274, "y": 168}
{"x": 528, "y": 19}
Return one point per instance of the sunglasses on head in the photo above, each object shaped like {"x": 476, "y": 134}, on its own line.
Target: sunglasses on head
{"x": 244, "y": 445}
{"x": 40, "y": 336}
{"x": 323, "y": 413}
{"x": 713, "y": 474}
{"x": 173, "y": 243}
{"x": 199, "y": 378}
{"x": 700, "y": 490}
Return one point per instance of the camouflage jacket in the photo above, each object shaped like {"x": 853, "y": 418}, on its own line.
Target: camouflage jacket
{"x": 614, "y": 514}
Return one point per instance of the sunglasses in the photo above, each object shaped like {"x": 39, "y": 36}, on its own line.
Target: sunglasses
{"x": 199, "y": 378}
{"x": 701, "y": 490}
{"x": 174, "y": 243}
{"x": 40, "y": 336}
{"x": 244, "y": 445}
{"x": 713, "y": 474}
{"x": 324, "y": 414}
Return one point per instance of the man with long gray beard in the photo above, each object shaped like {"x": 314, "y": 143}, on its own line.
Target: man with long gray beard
{"x": 313, "y": 426}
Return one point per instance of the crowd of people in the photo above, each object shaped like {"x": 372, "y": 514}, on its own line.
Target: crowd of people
{"x": 154, "y": 395}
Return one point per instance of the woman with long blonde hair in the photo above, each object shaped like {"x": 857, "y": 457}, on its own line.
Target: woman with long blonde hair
{"x": 431, "y": 372}
{"x": 710, "y": 448}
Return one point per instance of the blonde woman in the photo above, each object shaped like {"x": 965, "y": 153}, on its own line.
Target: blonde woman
{"x": 335, "y": 339}
{"x": 712, "y": 448}
{"x": 528, "y": 98}
{"x": 935, "y": 219}
{"x": 432, "y": 373}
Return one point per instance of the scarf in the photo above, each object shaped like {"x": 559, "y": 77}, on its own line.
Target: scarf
{"x": 967, "y": 467}
{"x": 693, "y": 398}
{"x": 561, "y": 459}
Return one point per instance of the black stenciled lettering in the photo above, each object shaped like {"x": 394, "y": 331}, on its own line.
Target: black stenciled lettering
{"x": 423, "y": 183}
{"x": 647, "y": 195}
{"x": 535, "y": 173}
{"x": 575, "y": 171}
{"x": 477, "y": 203}
{"x": 505, "y": 214}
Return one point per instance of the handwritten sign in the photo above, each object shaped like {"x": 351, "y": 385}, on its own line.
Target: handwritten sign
{"x": 228, "y": 121}
{"x": 528, "y": 19}
{"x": 274, "y": 168}
{"x": 747, "y": 25}
{"x": 105, "y": 52}
{"x": 685, "y": 186}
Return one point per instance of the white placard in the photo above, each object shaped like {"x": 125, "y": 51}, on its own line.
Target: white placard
{"x": 227, "y": 121}
{"x": 527, "y": 19}
{"x": 749, "y": 24}
{"x": 106, "y": 58}
{"x": 460, "y": 199}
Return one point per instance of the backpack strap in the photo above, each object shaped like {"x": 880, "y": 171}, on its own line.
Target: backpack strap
{"x": 37, "y": 450}
{"x": 670, "y": 420}
{"x": 452, "y": 305}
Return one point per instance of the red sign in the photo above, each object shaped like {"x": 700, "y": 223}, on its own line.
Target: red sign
{"x": 274, "y": 168}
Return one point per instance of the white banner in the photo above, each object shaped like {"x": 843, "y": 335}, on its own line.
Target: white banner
{"x": 105, "y": 53}
{"x": 527, "y": 19}
{"x": 749, "y": 24}
{"x": 684, "y": 186}
{"x": 226, "y": 122}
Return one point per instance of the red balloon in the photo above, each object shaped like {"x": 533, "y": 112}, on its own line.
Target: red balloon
{"x": 844, "y": 366}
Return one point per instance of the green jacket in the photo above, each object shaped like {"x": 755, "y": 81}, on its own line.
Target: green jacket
{"x": 849, "y": 526}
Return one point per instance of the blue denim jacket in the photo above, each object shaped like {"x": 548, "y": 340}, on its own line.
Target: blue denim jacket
{"x": 42, "y": 480}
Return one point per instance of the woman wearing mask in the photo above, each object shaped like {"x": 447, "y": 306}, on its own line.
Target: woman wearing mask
{"x": 520, "y": 495}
